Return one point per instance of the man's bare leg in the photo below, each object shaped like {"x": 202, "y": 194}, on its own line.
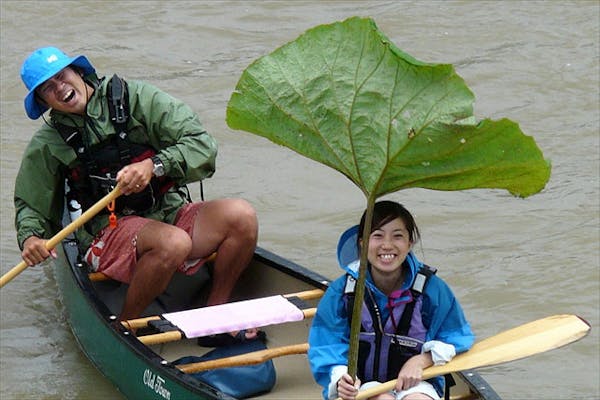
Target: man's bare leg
{"x": 229, "y": 227}
{"x": 161, "y": 249}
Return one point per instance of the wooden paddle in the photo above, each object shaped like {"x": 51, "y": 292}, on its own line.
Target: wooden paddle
{"x": 523, "y": 341}
{"x": 255, "y": 357}
{"x": 66, "y": 231}
{"x": 526, "y": 340}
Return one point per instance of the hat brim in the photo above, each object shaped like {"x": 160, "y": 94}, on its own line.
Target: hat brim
{"x": 347, "y": 249}
{"x": 35, "y": 109}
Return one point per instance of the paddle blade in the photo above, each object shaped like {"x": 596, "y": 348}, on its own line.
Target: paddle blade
{"x": 523, "y": 341}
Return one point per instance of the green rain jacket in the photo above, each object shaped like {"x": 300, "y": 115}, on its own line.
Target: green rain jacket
{"x": 157, "y": 119}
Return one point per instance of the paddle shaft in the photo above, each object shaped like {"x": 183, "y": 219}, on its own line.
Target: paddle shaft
{"x": 520, "y": 342}
{"x": 255, "y": 357}
{"x": 66, "y": 231}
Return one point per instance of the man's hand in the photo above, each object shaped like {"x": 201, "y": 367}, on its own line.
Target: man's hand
{"x": 133, "y": 178}
{"x": 34, "y": 251}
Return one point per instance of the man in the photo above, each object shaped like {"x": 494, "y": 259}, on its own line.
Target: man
{"x": 161, "y": 147}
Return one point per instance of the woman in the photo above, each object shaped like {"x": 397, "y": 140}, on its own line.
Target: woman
{"x": 410, "y": 317}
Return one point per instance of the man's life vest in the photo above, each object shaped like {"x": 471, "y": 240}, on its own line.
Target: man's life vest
{"x": 96, "y": 175}
{"x": 384, "y": 346}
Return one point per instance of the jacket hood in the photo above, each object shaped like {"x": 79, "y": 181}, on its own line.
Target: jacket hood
{"x": 349, "y": 260}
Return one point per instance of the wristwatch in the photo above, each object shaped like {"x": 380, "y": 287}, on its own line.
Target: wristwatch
{"x": 159, "y": 168}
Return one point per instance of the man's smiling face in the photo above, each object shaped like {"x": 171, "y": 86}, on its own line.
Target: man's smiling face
{"x": 66, "y": 91}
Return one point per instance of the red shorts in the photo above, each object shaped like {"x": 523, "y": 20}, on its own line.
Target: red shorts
{"x": 113, "y": 251}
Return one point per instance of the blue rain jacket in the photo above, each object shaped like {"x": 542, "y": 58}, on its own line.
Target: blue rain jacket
{"x": 329, "y": 335}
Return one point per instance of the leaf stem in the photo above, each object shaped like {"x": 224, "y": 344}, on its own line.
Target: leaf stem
{"x": 359, "y": 293}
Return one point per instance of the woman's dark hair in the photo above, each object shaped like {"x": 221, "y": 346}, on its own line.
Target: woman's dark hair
{"x": 386, "y": 211}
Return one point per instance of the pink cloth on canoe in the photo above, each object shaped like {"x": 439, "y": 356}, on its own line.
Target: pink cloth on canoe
{"x": 235, "y": 316}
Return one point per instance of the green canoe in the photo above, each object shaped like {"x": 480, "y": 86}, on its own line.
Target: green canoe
{"x": 146, "y": 372}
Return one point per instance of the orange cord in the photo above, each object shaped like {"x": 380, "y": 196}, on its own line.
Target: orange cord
{"x": 112, "y": 218}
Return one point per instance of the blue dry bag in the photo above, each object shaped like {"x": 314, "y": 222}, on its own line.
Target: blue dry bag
{"x": 238, "y": 382}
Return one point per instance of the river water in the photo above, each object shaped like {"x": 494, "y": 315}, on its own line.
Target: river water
{"x": 509, "y": 260}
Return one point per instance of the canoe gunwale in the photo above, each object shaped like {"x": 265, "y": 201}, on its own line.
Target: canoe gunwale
{"x": 479, "y": 385}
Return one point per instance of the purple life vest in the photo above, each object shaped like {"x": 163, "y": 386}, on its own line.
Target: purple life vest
{"x": 384, "y": 346}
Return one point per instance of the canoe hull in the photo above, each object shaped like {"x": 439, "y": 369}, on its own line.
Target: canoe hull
{"x": 137, "y": 372}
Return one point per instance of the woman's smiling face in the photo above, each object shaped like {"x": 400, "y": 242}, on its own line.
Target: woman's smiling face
{"x": 388, "y": 246}
{"x": 66, "y": 91}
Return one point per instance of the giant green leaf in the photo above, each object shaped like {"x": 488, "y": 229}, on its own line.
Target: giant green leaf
{"x": 345, "y": 96}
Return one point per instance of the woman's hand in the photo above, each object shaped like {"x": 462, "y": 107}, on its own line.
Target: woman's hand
{"x": 411, "y": 373}
{"x": 347, "y": 388}
{"x": 34, "y": 251}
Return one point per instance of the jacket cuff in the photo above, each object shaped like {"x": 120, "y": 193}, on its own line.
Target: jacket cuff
{"x": 441, "y": 352}
{"x": 334, "y": 376}
{"x": 23, "y": 235}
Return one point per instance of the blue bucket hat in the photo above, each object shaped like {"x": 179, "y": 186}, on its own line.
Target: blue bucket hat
{"x": 347, "y": 249}
{"x": 42, "y": 65}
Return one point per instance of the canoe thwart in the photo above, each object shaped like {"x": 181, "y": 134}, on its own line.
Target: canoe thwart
{"x": 170, "y": 336}
{"x": 222, "y": 318}
{"x": 304, "y": 295}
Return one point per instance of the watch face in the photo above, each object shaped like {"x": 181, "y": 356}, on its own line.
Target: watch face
{"x": 159, "y": 169}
